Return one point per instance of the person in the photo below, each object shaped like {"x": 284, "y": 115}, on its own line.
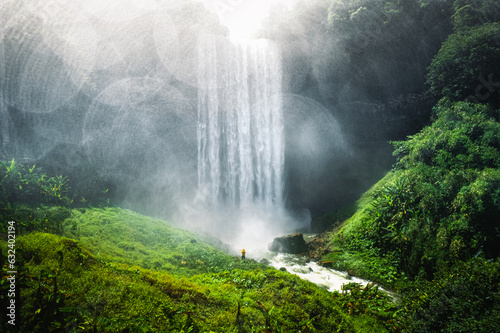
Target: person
{"x": 243, "y": 254}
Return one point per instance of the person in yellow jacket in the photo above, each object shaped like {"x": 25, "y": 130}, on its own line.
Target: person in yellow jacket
{"x": 243, "y": 254}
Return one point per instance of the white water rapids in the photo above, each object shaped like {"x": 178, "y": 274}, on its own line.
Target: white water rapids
{"x": 327, "y": 278}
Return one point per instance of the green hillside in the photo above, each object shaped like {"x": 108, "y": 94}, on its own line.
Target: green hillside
{"x": 115, "y": 270}
{"x": 430, "y": 227}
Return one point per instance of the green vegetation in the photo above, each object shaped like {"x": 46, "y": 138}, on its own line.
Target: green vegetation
{"x": 29, "y": 196}
{"x": 445, "y": 207}
{"x": 113, "y": 270}
{"x": 118, "y": 235}
{"x": 22, "y": 184}
{"x": 466, "y": 66}
{"x": 38, "y": 201}
{"x": 349, "y": 249}
{"x": 444, "y": 200}
{"x": 371, "y": 304}
{"x": 430, "y": 227}
{"x": 463, "y": 297}
{"x": 109, "y": 269}
{"x": 473, "y": 13}
{"x": 129, "y": 272}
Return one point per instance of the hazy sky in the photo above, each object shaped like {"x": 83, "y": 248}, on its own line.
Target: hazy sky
{"x": 243, "y": 16}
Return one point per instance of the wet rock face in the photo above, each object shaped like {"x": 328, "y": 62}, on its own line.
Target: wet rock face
{"x": 317, "y": 248}
{"x": 293, "y": 244}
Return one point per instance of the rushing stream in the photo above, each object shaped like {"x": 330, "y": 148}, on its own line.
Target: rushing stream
{"x": 327, "y": 278}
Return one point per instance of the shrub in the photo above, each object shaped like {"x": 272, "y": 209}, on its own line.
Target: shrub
{"x": 466, "y": 66}
{"x": 39, "y": 202}
{"x": 369, "y": 301}
{"x": 442, "y": 202}
{"x": 464, "y": 297}
{"x": 29, "y": 185}
{"x": 470, "y": 13}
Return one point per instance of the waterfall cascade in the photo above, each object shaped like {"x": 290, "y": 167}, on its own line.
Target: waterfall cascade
{"x": 240, "y": 123}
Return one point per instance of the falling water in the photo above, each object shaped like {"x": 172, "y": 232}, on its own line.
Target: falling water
{"x": 240, "y": 123}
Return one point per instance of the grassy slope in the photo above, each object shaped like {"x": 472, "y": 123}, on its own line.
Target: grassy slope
{"x": 125, "y": 236}
{"x": 124, "y": 271}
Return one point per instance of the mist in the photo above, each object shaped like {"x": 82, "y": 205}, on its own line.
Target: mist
{"x": 116, "y": 88}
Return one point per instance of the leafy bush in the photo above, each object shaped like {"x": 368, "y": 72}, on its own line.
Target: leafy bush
{"x": 463, "y": 136}
{"x": 22, "y": 184}
{"x": 25, "y": 193}
{"x": 466, "y": 66}
{"x": 369, "y": 301}
{"x": 470, "y": 13}
{"x": 38, "y": 202}
{"x": 442, "y": 202}
{"x": 464, "y": 297}
{"x": 29, "y": 218}
{"x": 29, "y": 185}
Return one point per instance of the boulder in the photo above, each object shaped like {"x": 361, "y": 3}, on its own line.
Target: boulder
{"x": 264, "y": 261}
{"x": 289, "y": 244}
{"x": 317, "y": 248}
{"x": 328, "y": 264}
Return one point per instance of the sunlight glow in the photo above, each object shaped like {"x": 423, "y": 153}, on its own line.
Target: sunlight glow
{"x": 244, "y": 17}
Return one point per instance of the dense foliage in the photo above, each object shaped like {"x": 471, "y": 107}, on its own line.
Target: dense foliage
{"x": 443, "y": 201}
{"x": 447, "y": 193}
{"x": 22, "y": 184}
{"x": 466, "y": 66}
{"x": 464, "y": 297}
{"x": 473, "y": 13}
{"x": 369, "y": 302}
{"x": 40, "y": 202}
{"x": 362, "y": 50}
{"x": 430, "y": 227}
{"x": 127, "y": 272}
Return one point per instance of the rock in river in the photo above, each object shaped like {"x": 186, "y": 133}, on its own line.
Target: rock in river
{"x": 289, "y": 244}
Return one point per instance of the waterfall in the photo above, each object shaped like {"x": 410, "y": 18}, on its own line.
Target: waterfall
{"x": 240, "y": 123}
